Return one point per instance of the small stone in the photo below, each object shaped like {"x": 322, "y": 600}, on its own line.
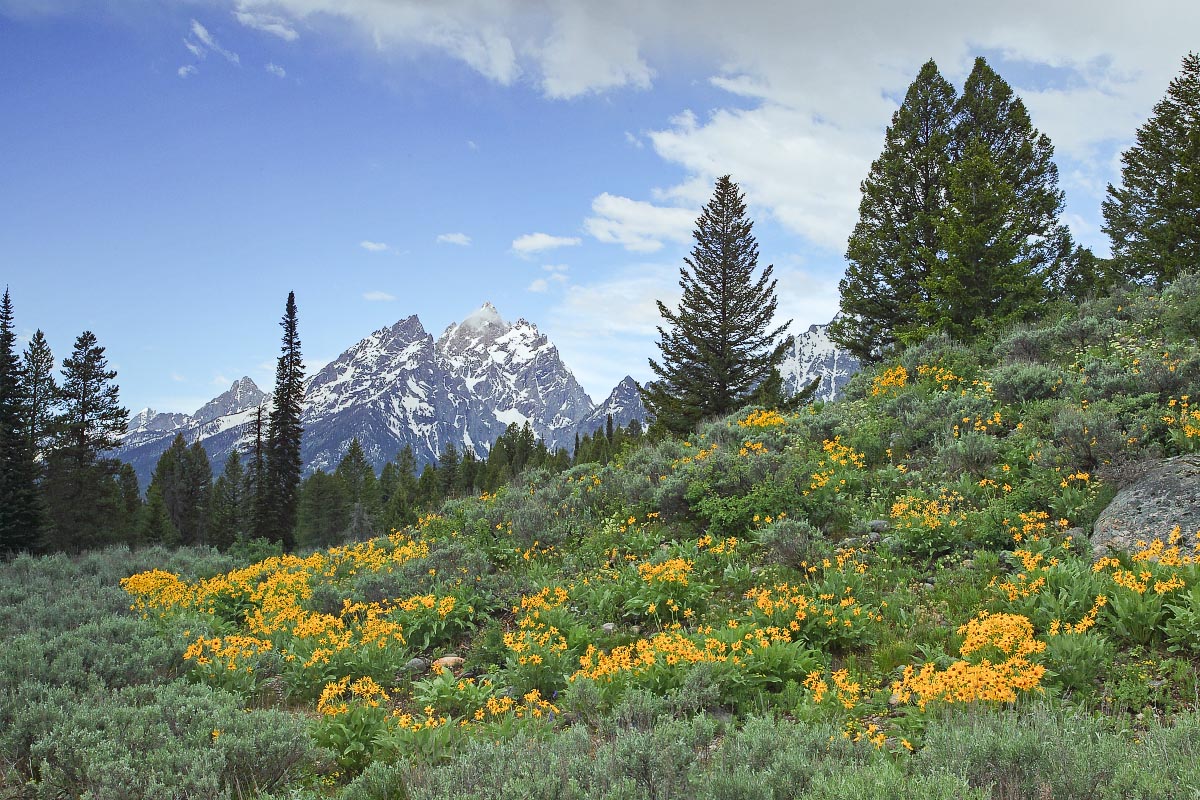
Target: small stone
{"x": 636, "y": 630}
{"x": 968, "y": 564}
{"x": 874, "y": 538}
{"x": 609, "y": 627}
{"x": 417, "y": 665}
{"x": 878, "y": 525}
{"x": 448, "y": 662}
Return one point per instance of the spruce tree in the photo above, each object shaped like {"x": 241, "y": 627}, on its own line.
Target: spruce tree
{"x": 1153, "y": 218}
{"x": 19, "y": 508}
{"x": 80, "y": 495}
{"x": 981, "y": 275}
{"x": 284, "y": 433}
{"x": 362, "y": 490}
{"x": 41, "y": 395}
{"x": 719, "y": 345}
{"x": 990, "y": 114}
{"x": 130, "y": 503}
{"x": 324, "y": 510}
{"x": 256, "y": 480}
{"x": 895, "y": 243}
{"x": 227, "y": 509}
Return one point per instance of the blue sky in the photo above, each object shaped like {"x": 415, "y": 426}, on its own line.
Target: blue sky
{"x": 171, "y": 170}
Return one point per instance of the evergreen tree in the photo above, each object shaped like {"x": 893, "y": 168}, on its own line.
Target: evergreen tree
{"x": 19, "y": 509}
{"x": 41, "y": 396}
{"x": 1152, "y": 218}
{"x": 130, "y": 505}
{"x": 989, "y": 113}
{"x": 324, "y": 510}
{"x": 719, "y": 345}
{"x": 893, "y": 246}
{"x": 981, "y": 275}
{"x": 227, "y": 510}
{"x": 284, "y": 432}
{"x": 156, "y": 527}
{"x": 80, "y": 495}
{"x": 402, "y": 504}
{"x": 447, "y": 470}
{"x": 362, "y": 491}
{"x": 183, "y": 477}
{"x": 256, "y": 481}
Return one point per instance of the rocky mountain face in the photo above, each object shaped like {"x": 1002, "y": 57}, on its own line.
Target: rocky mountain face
{"x": 400, "y": 387}
{"x": 814, "y": 355}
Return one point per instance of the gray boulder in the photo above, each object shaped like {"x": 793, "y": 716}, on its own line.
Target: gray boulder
{"x": 1165, "y": 496}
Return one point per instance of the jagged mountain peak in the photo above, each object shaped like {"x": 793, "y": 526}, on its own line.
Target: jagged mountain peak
{"x": 483, "y": 317}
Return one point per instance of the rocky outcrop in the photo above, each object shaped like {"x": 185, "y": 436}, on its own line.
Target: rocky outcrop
{"x": 1165, "y": 496}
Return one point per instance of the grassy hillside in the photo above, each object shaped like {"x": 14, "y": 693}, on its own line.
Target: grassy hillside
{"x": 891, "y": 595}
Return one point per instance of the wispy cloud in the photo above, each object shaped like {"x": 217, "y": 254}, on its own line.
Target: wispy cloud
{"x": 202, "y": 36}
{"x": 532, "y": 243}
{"x": 267, "y": 23}
{"x": 186, "y": 71}
{"x": 373, "y": 247}
{"x": 460, "y": 239}
{"x": 539, "y": 285}
{"x": 276, "y": 70}
{"x": 377, "y": 296}
{"x": 636, "y": 225}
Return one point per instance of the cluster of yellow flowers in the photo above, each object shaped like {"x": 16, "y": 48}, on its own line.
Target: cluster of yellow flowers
{"x": 1183, "y": 417}
{"x": 535, "y": 639}
{"x": 228, "y": 652}
{"x": 941, "y": 376}
{"x": 966, "y": 682}
{"x": 673, "y": 570}
{"x": 532, "y": 704}
{"x": 847, "y": 692}
{"x": 762, "y": 419}
{"x": 890, "y": 379}
{"x": 701, "y": 455}
{"x": 721, "y": 547}
{"x": 671, "y": 647}
{"x": 337, "y": 695}
{"x": 910, "y": 512}
{"x": 752, "y": 448}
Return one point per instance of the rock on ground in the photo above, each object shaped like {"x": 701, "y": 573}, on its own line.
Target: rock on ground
{"x": 1166, "y": 496}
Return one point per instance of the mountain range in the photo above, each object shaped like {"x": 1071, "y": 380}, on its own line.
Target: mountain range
{"x": 399, "y": 386}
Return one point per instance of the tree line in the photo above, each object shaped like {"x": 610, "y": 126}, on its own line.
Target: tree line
{"x": 959, "y": 232}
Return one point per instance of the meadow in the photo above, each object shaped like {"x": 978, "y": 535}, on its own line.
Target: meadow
{"x": 891, "y": 595}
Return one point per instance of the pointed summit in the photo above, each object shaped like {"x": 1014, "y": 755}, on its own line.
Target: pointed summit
{"x": 485, "y": 316}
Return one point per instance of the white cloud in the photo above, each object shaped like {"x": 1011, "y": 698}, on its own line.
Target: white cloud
{"x": 177, "y": 378}
{"x": 276, "y": 70}
{"x": 267, "y": 23}
{"x": 532, "y": 243}
{"x": 378, "y": 297}
{"x": 373, "y": 247}
{"x": 460, "y": 239}
{"x": 195, "y": 49}
{"x": 539, "y": 285}
{"x": 638, "y": 226}
{"x": 202, "y": 36}
{"x": 221, "y": 380}
{"x": 471, "y": 145}
{"x": 186, "y": 71}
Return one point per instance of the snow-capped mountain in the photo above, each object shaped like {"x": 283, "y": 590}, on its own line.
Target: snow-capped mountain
{"x": 399, "y": 387}
{"x": 513, "y": 374}
{"x": 624, "y": 403}
{"x": 813, "y": 354}
{"x": 220, "y": 424}
{"x": 390, "y": 390}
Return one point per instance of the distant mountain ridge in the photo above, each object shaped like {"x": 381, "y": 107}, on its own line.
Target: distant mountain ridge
{"x": 400, "y": 387}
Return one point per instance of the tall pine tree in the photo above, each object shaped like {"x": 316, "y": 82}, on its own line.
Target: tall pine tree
{"x": 990, "y": 114}
{"x": 41, "y": 396}
{"x": 228, "y": 508}
{"x": 284, "y": 432}
{"x": 81, "y": 497}
{"x": 720, "y": 344}
{"x": 19, "y": 508}
{"x": 1153, "y": 219}
{"x": 895, "y": 243}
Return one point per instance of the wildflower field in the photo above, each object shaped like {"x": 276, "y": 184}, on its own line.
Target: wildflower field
{"x": 889, "y": 595}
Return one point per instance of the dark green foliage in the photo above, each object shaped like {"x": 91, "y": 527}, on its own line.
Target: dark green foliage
{"x": 183, "y": 478}
{"x": 362, "y": 491}
{"x": 893, "y": 245}
{"x": 20, "y": 512}
{"x": 229, "y": 506}
{"x": 325, "y": 510}
{"x": 990, "y": 114}
{"x": 719, "y": 345}
{"x": 41, "y": 394}
{"x": 959, "y": 223}
{"x": 1151, "y": 218}
{"x": 81, "y": 498}
{"x": 284, "y": 432}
